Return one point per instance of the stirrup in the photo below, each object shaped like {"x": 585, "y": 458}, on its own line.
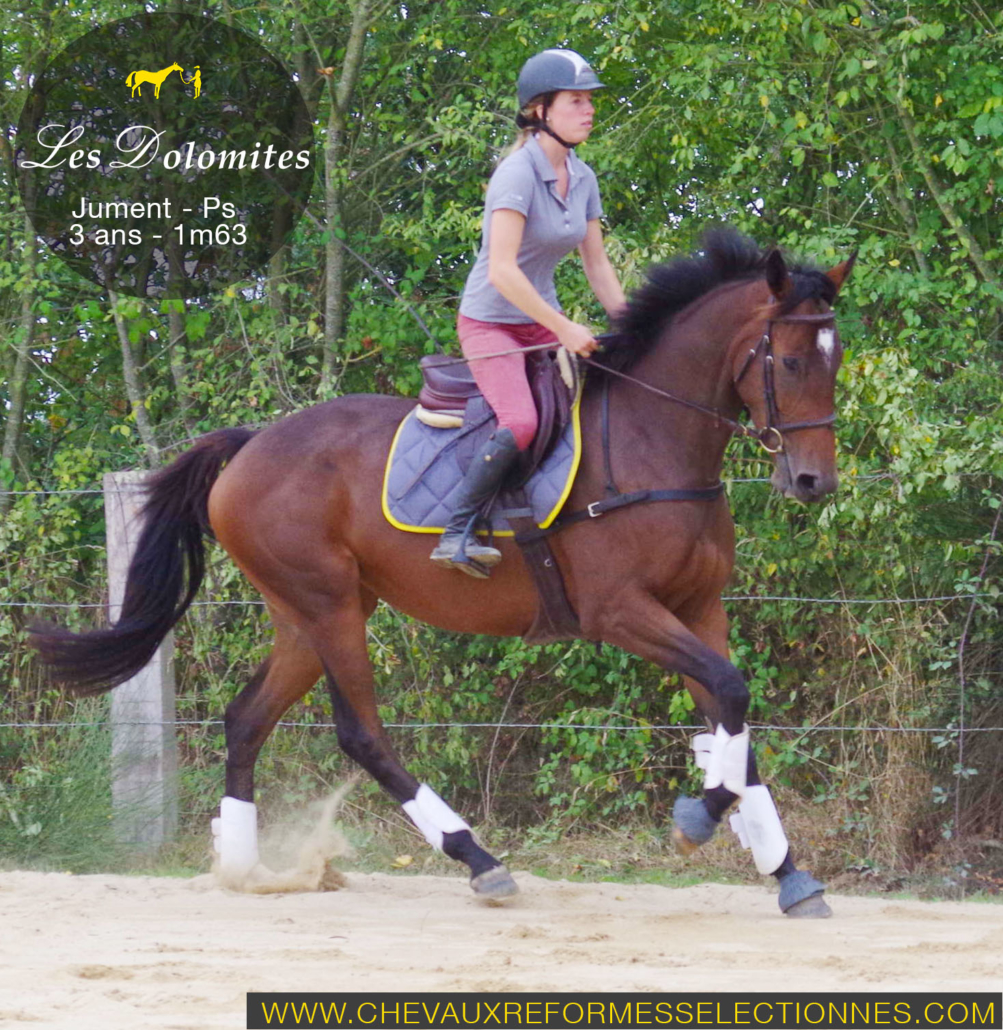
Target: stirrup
{"x": 479, "y": 567}
{"x": 462, "y": 561}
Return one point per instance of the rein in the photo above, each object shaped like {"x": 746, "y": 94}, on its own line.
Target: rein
{"x": 615, "y": 499}
{"x": 774, "y": 425}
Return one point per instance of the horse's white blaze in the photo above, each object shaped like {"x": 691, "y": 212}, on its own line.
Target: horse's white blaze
{"x": 827, "y": 343}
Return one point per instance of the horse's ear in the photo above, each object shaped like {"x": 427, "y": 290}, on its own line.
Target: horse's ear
{"x": 777, "y": 278}
{"x": 841, "y": 272}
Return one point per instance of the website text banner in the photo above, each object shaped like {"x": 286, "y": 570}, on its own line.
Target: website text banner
{"x": 601, "y": 1011}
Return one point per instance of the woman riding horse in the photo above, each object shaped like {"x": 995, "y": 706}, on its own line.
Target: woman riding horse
{"x": 645, "y": 550}
{"x": 542, "y": 202}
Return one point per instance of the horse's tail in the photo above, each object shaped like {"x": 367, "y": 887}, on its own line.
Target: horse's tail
{"x": 164, "y": 574}
{"x": 129, "y": 78}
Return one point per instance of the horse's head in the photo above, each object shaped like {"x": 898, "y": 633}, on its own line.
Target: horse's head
{"x": 785, "y": 373}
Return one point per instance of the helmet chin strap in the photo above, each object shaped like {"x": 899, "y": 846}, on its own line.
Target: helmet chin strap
{"x": 543, "y": 127}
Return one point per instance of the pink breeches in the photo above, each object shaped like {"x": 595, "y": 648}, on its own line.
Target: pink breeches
{"x": 503, "y": 380}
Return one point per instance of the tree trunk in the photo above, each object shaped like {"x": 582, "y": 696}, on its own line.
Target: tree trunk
{"x": 19, "y": 372}
{"x": 178, "y": 340}
{"x": 947, "y": 209}
{"x": 341, "y": 100}
{"x": 894, "y": 192}
{"x": 133, "y": 387}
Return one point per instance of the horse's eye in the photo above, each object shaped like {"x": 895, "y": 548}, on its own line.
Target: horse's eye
{"x": 791, "y": 364}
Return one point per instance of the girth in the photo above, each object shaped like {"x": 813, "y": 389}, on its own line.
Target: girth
{"x": 556, "y": 619}
{"x": 614, "y": 499}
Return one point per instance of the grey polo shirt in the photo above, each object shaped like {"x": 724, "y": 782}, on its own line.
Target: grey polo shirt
{"x": 526, "y": 182}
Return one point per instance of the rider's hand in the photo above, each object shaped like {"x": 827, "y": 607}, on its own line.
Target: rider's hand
{"x": 577, "y": 339}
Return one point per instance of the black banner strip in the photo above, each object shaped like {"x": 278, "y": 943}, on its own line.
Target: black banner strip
{"x": 918, "y": 1011}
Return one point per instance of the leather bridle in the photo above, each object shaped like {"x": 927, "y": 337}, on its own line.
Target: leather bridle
{"x": 773, "y": 423}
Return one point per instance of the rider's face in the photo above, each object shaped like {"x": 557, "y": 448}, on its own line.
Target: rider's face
{"x": 570, "y": 114}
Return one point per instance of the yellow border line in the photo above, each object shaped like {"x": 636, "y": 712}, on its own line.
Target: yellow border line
{"x": 386, "y": 481}
{"x": 575, "y": 462}
{"x": 575, "y": 458}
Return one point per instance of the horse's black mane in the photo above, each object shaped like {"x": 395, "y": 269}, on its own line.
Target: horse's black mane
{"x": 725, "y": 256}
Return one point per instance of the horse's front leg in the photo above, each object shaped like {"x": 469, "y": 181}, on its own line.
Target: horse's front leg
{"x": 700, "y": 653}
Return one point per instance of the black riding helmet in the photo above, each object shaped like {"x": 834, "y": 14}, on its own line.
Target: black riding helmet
{"x": 546, "y": 74}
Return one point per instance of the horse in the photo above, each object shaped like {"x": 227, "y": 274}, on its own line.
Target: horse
{"x": 136, "y": 79}
{"x": 297, "y": 507}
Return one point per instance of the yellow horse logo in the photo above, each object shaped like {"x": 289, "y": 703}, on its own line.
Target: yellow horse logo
{"x": 135, "y": 79}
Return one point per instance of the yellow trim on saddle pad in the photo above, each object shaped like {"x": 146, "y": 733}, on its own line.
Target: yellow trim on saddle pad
{"x": 576, "y": 423}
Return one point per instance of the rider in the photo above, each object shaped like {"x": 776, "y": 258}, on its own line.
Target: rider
{"x": 542, "y": 202}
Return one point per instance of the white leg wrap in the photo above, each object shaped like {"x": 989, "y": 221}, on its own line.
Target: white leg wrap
{"x": 757, "y": 824}
{"x": 235, "y": 836}
{"x": 702, "y": 744}
{"x": 432, "y": 816}
{"x": 723, "y": 758}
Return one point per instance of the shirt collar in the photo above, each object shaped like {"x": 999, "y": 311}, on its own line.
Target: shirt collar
{"x": 543, "y": 166}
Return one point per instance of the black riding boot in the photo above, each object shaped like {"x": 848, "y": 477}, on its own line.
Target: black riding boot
{"x": 458, "y": 547}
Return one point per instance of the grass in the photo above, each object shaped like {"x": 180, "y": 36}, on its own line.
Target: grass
{"x": 58, "y": 816}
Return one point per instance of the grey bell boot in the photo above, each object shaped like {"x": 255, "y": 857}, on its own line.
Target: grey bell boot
{"x": 458, "y": 546}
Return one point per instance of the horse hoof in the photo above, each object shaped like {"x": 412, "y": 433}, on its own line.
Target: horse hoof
{"x": 801, "y": 897}
{"x": 683, "y": 845}
{"x": 494, "y": 885}
{"x": 693, "y": 825}
{"x": 814, "y": 907}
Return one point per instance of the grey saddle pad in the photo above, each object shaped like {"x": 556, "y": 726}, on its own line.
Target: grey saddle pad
{"x": 423, "y": 476}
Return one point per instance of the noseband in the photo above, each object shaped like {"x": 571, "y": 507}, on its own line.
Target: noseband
{"x": 773, "y": 423}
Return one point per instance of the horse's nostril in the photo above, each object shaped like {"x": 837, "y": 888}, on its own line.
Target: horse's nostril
{"x": 806, "y": 481}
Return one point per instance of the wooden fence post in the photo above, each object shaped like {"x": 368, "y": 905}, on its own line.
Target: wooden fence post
{"x": 144, "y": 740}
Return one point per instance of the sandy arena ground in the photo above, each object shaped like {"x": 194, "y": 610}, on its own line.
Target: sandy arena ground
{"x": 117, "y": 952}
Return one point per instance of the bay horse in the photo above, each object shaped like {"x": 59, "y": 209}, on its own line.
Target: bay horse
{"x": 297, "y": 506}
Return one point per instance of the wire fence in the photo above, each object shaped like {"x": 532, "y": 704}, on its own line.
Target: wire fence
{"x": 944, "y": 598}
{"x": 599, "y": 727}
{"x": 737, "y": 597}
{"x": 958, "y": 731}
{"x": 889, "y": 477}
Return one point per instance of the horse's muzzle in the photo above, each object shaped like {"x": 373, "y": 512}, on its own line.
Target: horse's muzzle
{"x": 806, "y": 486}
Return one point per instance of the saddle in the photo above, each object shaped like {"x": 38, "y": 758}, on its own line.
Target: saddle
{"x": 450, "y": 398}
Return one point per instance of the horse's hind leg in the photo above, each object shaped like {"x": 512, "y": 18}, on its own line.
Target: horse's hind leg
{"x": 282, "y": 679}
{"x": 339, "y": 637}
{"x": 757, "y": 822}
